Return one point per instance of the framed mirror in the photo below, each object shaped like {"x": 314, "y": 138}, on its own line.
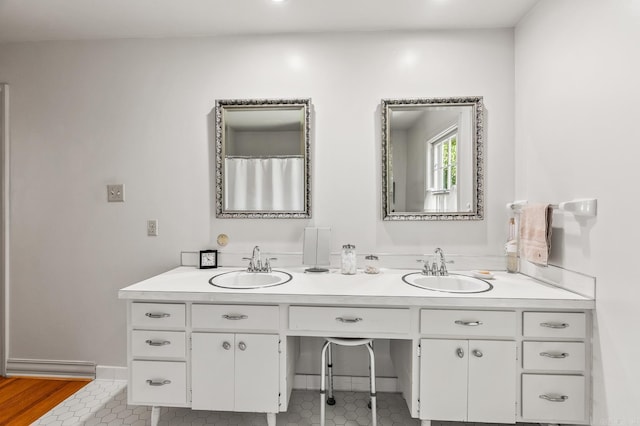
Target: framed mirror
{"x": 432, "y": 159}
{"x": 263, "y": 158}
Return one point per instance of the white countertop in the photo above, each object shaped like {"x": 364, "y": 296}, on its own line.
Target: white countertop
{"x": 191, "y": 284}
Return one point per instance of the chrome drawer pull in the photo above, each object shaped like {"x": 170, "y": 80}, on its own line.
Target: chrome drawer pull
{"x": 468, "y": 323}
{"x": 157, "y": 343}
{"x": 556, "y": 355}
{"x": 157, "y": 315}
{"x": 561, "y": 398}
{"x": 478, "y": 353}
{"x": 234, "y": 317}
{"x": 460, "y": 352}
{"x": 554, "y": 324}
{"x": 158, "y": 382}
{"x": 348, "y": 320}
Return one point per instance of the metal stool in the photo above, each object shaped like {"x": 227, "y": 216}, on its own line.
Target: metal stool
{"x": 326, "y": 349}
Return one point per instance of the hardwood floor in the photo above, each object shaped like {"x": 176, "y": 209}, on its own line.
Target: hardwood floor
{"x": 25, "y": 399}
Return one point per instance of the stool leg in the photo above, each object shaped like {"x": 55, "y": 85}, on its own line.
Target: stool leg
{"x": 330, "y": 399}
{"x": 372, "y": 378}
{"x": 323, "y": 372}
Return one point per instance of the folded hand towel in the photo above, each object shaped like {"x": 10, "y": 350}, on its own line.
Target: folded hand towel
{"x": 535, "y": 233}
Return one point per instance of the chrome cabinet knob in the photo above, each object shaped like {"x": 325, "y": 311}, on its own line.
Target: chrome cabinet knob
{"x": 226, "y": 346}
{"x": 460, "y": 353}
{"x": 477, "y": 353}
{"x": 242, "y": 346}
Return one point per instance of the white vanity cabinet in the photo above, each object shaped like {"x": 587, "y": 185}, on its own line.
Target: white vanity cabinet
{"x": 555, "y": 366}
{"x": 235, "y": 372}
{"x": 222, "y": 357}
{"x": 237, "y": 367}
{"x": 520, "y": 353}
{"x": 468, "y": 379}
{"x": 157, "y": 354}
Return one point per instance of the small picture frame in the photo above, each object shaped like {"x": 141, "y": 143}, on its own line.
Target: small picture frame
{"x": 208, "y": 259}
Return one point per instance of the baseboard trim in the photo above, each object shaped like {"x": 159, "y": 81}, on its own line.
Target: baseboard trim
{"x": 111, "y": 372}
{"x": 50, "y": 368}
{"x": 346, "y": 383}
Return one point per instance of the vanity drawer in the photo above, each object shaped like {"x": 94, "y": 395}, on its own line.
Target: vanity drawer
{"x": 236, "y": 317}
{"x": 158, "y": 383}
{"x": 553, "y": 356}
{"x": 553, "y": 398}
{"x": 157, "y": 315}
{"x": 467, "y": 323}
{"x": 348, "y": 319}
{"x": 160, "y": 344}
{"x": 554, "y": 324}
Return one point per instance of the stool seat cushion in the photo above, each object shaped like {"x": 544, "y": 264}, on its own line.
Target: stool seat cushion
{"x": 348, "y": 341}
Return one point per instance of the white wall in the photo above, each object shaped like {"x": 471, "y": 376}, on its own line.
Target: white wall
{"x": 138, "y": 112}
{"x": 577, "y": 135}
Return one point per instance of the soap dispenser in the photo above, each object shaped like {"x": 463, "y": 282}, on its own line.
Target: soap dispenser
{"x": 511, "y": 247}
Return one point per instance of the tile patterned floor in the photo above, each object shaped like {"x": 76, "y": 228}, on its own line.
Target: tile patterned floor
{"x": 104, "y": 403}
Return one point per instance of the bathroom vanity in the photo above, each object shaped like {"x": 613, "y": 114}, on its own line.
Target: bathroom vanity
{"x": 520, "y": 352}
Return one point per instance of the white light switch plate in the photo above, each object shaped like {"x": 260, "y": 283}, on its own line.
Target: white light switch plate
{"x": 152, "y": 227}
{"x": 115, "y": 193}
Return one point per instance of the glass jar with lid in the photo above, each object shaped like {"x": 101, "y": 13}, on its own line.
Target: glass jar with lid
{"x": 371, "y": 264}
{"x": 348, "y": 259}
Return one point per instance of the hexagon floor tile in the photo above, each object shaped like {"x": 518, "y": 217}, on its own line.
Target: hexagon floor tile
{"x": 104, "y": 403}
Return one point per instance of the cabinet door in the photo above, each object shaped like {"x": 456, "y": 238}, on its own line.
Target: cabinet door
{"x": 212, "y": 371}
{"x": 492, "y": 381}
{"x": 257, "y": 373}
{"x": 443, "y": 379}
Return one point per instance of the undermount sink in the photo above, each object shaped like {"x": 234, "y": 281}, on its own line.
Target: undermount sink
{"x": 452, "y": 283}
{"x": 247, "y": 280}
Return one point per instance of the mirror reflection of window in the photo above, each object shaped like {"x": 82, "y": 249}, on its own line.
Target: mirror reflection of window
{"x": 432, "y": 159}
{"x": 444, "y": 161}
{"x": 440, "y": 191}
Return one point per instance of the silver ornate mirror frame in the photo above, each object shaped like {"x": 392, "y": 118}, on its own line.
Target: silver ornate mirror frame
{"x": 267, "y": 104}
{"x": 476, "y": 213}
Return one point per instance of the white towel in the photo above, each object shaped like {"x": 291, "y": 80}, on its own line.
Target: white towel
{"x": 535, "y": 233}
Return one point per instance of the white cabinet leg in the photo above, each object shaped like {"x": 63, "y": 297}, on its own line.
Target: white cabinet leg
{"x": 155, "y": 415}
{"x": 425, "y": 423}
{"x": 271, "y": 419}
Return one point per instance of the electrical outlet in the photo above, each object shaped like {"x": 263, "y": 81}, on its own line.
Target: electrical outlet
{"x": 152, "y": 227}
{"x": 115, "y": 193}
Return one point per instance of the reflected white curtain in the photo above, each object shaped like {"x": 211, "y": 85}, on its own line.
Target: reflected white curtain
{"x": 269, "y": 184}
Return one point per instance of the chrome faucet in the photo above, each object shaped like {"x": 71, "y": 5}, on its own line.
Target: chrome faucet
{"x": 437, "y": 266}
{"x": 442, "y": 269}
{"x": 255, "y": 262}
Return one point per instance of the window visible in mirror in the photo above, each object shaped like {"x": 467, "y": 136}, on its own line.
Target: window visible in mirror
{"x": 444, "y": 160}
{"x": 432, "y": 159}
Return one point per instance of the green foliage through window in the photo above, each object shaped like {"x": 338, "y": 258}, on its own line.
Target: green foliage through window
{"x": 445, "y": 167}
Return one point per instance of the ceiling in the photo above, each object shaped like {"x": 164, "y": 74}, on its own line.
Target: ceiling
{"x": 39, "y": 20}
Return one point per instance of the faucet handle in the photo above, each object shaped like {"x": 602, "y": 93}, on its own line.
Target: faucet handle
{"x": 426, "y": 270}
{"x": 267, "y": 263}
{"x": 251, "y": 267}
